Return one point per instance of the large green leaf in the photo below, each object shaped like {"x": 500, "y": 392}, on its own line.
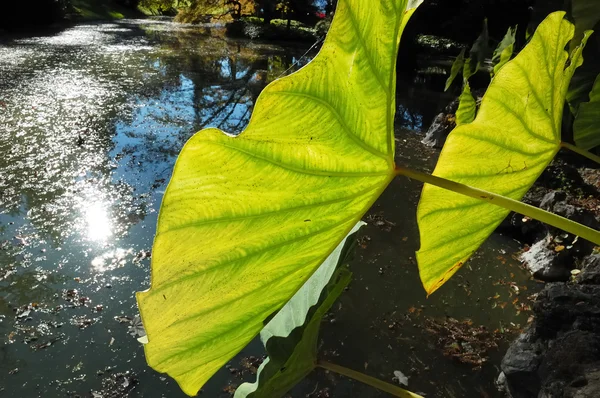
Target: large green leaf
{"x": 515, "y": 135}
{"x": 245, "y": 221}
{"x": 504, "y": 52}
{"x": 467, "y": 107}
{"x": 586, "y": 128}
{"x": 291, "y": 337}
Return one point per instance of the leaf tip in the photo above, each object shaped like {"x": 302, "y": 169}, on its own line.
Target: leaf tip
{"x": 431, "y": 286}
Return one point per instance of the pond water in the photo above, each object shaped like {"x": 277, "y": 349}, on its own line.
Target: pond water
{"x": 91, "y": 121}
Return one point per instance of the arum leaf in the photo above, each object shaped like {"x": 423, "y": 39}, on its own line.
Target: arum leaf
{"x": 584, "y": 77}
{"x": 466, "y": 107}
{"x": 505, "y": 49}
{"x": 291, "y": 337}
{"x": 513, "y": 138}
{"x": 246, "y": 221}
{"x": 587, "y": 124}
{"x": 586, "y": 14}
{"x": 457, "y": 67}
{"x": 469, "y": 69}
{"x": 478, "y": 53}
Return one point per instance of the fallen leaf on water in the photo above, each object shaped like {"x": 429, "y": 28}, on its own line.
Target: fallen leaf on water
{"x": 400, "y": 378}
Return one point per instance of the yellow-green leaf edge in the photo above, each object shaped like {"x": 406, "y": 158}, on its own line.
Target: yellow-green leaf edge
{"x": 504, "y": 150}
{"x": 586, "y": 128}
{"x": 245, "y": 221}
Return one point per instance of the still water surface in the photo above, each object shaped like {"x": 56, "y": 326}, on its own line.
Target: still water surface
{"x": 91, "y": 121}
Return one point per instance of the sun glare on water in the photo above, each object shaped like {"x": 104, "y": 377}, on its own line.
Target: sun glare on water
{"x": 98, "y": 222}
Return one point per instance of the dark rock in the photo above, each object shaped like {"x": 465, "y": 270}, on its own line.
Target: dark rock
{"x": 546, "y": 264}
{"x": 592, "y": 387}
{"x": 558, "y": 356}
{"x": 551, "y": 198}
{"x": 551, "y": 259}
{"x": 441, "y": 126}
{"x": 561, "y": 176}
{"x": 591, "y": 270}
{"x": 558, "y": 202}
{"x": 520, "y": 365}
{"x": 523, "y": 229}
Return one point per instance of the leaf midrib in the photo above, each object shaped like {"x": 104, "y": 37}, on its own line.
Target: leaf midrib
{"x": 355, "y": 195}
{"x": 322, "y": 173}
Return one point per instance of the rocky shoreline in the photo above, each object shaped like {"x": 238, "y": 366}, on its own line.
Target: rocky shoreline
{"x": 558, "y": 355}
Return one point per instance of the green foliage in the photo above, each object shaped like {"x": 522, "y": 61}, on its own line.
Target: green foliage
{"x": 322, "y": 27}
{"x": 157, "y": 7}
{"x": 586, "y": 14}
{"x": 587, "y": 124}
{"x": 275, "y": 201}
{"x": 291, "y": 337}
{"x": 457, "y": 67}
{"x": 251, "y": 19}
{"x": 478, "y": 53}
{"x": 504, "y": 52}
{"x": 512, "y": 140}
{"x": 584, "y": 77}
{"x": 466, "y": 107}
{"x": 98, "y": 10}
{"x": 285, "y": 22}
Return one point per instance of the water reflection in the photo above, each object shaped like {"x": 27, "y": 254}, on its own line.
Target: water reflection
{"x": 92, "y": 121}
{"x": 98, "y": 222}
{"x": 90, "y": 109}
{"x": 112, "y": 259}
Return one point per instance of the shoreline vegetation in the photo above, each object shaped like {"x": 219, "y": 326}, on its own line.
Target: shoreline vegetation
{"x": 238, "y": 23}
{"x": 295, "y": 20}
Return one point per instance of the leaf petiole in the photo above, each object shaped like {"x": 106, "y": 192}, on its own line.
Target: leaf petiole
{"x": 507, "y": 203}
{"x": 581, "y": 152}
